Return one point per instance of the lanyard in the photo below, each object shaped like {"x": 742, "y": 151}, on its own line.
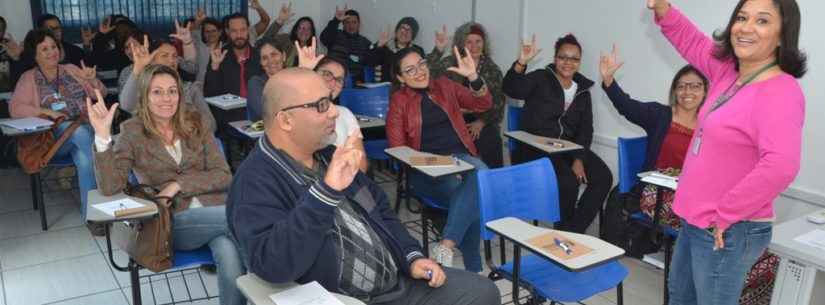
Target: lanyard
{"x": 54, "y": 85}
{"x": 726, "y": 96}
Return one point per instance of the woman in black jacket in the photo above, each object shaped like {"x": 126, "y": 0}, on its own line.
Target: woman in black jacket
{"x": 557, "y": 105}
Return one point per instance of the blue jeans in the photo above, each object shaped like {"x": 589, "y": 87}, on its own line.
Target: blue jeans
{"x": 460, "y": 193}
{"x": 79, "y": 146}
{"x": 699, "y": 275}
{"x": 194, "y": 228}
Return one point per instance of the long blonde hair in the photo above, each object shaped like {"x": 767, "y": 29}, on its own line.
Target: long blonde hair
{"x": 186, "y": 125}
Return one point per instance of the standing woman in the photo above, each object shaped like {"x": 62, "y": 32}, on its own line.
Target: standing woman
{"x": 57, "y": 90}
{"x": 484, "y": 126}
{"x": 746, "y": 149}
{"x": 557, "y": 105}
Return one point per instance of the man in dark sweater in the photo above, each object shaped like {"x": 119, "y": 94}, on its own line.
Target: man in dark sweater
{"x": 229, "y": 69}
{"x": 347, "y": 44}
{"x": 302, "y": 211}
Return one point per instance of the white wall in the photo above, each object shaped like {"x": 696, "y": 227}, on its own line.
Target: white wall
{"x": 18, "y": 15}
{"x": 300, "y": 8}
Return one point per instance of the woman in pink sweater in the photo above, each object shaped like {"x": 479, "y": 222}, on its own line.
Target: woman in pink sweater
{"x": 746, "y": 148}
{"x": 55, "y": 90}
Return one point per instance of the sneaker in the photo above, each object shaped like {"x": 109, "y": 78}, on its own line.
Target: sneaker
{"x": 442, "y": 255}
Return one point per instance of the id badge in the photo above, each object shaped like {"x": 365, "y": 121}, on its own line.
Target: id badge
{"x": 355, "y": 58}
{"x": 59, "y": 105}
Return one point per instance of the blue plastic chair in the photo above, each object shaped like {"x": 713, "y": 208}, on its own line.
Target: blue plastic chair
{"x": 632, "y": 152}
{"x": 369, "y": 74}
{"x": 529, "y": 191}
{"x": 513, "y": 120}
{"x": 374, "y": 102}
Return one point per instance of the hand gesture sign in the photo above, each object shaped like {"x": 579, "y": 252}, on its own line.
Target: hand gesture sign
{"x": 99, "y": 117}
{"x": 466, "y": 65}
{"x": 217, "y": 55}
{"x": 200, "y": 16}
{"x": 660, "y": 7}
{"x": 528, "y": 51}
{"x": 608, "y": 65}
{"x": 105, "y": 26}
{"x": 340, "y": 13}
{"x": 306, "y": 55}
{"x": 87, "y": 73}
{"x": 285, "y": 14}
{"x": 441, "y": 39}
{"x": 344, "y": 165}
{"x": 182, "y": 33}
{"x": 254, "y": 4}
{"x": 13, "y": 48}
{"x": 384, "y": 37}
{"x": 141, "y": 56}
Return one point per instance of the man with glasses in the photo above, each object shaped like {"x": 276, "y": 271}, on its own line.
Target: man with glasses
{"x": 302, "y": 211}
{"x": 349, "y": 43}
{"x": 557, "y": 105}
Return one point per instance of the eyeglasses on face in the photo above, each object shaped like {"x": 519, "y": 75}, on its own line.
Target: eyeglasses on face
{"x": 328, "y": 76}
{"x": 321, "y": 105}
{"x": 571, "y": 59}
{"x": 414, "y": 69}
{"x": 694, "y": 86}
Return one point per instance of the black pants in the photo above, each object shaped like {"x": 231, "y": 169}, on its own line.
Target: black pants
{"x": 489, "y": 146}
{"x": 574, "y": 217}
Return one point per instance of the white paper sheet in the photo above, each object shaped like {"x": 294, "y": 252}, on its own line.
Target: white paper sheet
{"x": 306, "y": 294}
{"x": 30, "y": 123}
{"x": 226, "y": 100}
{"x": 814, "y": 238}
{"x": 120, "y": 204}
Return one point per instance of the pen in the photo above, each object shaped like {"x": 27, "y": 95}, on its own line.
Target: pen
{"x": 564, "y": 246}
{"x": 456, "y": 161}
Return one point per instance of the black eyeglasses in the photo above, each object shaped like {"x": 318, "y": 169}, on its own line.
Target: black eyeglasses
{"x": 414, "y": 69}
{"x": 695, "y": 86}
{"x": 568, "y": 58}
{"x": 328, "y": 76}
{"x": 321, "y": 105}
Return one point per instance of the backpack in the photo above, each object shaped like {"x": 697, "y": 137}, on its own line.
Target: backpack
{"x": 618, "y": 229}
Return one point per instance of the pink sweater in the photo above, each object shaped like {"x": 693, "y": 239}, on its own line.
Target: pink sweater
{"x": 751, "y": 146}
{"x": 25, "y": 101}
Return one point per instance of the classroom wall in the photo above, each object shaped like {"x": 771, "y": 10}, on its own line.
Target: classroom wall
{"x": 18, "y": 16}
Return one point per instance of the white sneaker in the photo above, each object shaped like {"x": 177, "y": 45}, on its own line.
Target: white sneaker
{"x": 442, "y": 255}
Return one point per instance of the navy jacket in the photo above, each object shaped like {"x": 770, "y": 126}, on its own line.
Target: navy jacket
{"x": 543, "y": 113}
{"x": 284, "y": 226}
{"x": 653, "y": 117}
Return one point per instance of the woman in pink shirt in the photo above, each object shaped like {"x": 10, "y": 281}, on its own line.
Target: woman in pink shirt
{"x": 746, "y": 148}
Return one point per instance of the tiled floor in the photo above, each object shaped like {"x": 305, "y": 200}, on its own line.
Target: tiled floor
{"x": 66, "y": 265}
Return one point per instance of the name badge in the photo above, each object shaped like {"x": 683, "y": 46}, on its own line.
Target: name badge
{"x": 355, "y": 58}
{"x": 57, "y": 106}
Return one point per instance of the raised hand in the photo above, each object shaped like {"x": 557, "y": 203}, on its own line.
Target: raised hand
{"x": 200, "y": 16}
{"x": 141, "y": 56}
{"x": 658, "y": 6}
{"x": 254, "y": 4}
{"x": 608, "y": 65}
{"x": 528, "y": 51}
{"x": 285, "y": 14}
{"x": 441, "y": 39}
{"x": 307, "y": 58}
{"x": 340, "y": 13}
{"x": 87, "y": 35}
{"x": 99, "y": 117}
{"x": 384, "y": 37}
{"x": 182, "y": 33}
{"x": 466, "y": 65}
{"x": 13, "y": 48}
{"x": 217, "y": 55}
{"x": 105, "y": 26}
{"x": 344, "y": 165}
{"x": 87, "y": 73}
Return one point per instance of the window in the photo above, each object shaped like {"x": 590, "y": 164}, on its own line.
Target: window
{"x": 153, "y": 16}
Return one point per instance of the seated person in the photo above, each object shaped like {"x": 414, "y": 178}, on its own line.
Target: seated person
{"x": 163, "y": 53}
{"x": 109, "y": 50}
{"x": 303, "y": 212}
{"x": 58, "y": 90}
{"x": 273, "y": 54}
{"x": 557, "y": 105}
{"x": 669, "y": 128}
{"x": 69, "y": 53}
{"x": 231, "y": 67}
{"x": 5, "y": 57}
{"x": 167, "y": 147}
{"x": 347, "y": 43}
{"x": 383, "y": 52}
{"x": 425, "y": 114}
{"x": 302, "y": 32}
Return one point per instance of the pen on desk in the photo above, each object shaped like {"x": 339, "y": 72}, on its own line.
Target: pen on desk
{"x": 564, "y": 246}
{"x": 456, "y": 161}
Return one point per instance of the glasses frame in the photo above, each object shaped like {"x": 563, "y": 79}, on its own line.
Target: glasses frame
{"x": 316, "y": 104}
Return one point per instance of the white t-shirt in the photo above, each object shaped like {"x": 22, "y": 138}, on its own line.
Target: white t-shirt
{"x": 345, "y": 124}
{"x": 570, "y": 94}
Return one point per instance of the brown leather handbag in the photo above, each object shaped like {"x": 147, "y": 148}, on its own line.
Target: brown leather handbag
{"x": 148, "y": 241}
{"x": 36, "y": 150}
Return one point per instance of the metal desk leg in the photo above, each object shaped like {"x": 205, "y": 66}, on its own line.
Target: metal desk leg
{"x": 37, "y": 197}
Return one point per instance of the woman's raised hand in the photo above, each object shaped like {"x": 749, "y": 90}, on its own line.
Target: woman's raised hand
{"x": 99, "y": 117}
{"x": 608, "y": 65}
{"x": 466, "y": 65}
{"x": 528, "y": 51}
